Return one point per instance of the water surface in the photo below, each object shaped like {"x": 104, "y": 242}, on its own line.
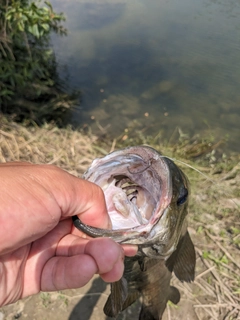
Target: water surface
{"x": 161, "y": 66}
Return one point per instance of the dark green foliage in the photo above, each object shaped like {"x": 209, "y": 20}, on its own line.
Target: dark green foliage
{"x": 29, "y": 84}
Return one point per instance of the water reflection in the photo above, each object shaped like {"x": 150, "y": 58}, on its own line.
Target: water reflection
{"x": 95, "y": 15}
{"x": 176, "y": 61}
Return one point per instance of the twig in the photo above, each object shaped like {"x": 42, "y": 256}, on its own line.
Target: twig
{"x": 113, "y": 145}
{"x": 204, "y": 272}
{"x": 226, "y": 291}
{"x": 217, "y": 305}
{"x": 207, "y": 287}
{"x": 169, "y": 313}
{"x": 206, "y": 310}
{"x": 222, "y": 248}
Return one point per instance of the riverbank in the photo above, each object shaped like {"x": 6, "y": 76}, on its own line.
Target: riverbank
{"x": 213, "y": 222}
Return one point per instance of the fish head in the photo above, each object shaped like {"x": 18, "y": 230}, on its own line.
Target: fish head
{"x": 146, "y": 196}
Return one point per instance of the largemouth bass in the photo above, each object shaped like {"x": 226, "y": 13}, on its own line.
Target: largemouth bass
{"x": 147, "y": 201}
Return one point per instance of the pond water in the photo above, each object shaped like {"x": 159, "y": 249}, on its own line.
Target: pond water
{"x": 160, "y": 66}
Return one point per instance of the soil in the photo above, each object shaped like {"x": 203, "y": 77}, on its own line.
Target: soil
{"x": 83, "y": 304}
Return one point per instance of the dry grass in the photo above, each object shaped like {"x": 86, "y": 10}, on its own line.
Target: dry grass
{"x": 68, "y": 149}
{"x": 214, "y": 211}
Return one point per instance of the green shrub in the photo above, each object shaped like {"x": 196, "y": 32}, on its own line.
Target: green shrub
{"x": 29, "y": 84}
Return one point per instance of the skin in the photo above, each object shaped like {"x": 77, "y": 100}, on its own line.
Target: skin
{"x": 40, "y": 249}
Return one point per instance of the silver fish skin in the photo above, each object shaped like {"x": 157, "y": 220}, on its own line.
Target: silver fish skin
{"x": 147, "y": 198}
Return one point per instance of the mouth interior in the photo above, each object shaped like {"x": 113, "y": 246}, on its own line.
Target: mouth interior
{"x": 129, "y": 204}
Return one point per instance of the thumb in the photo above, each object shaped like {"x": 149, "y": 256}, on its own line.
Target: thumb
{"x": 90, "y": 205}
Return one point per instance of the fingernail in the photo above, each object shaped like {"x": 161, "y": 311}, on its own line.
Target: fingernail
{"x": 130, "y": 250}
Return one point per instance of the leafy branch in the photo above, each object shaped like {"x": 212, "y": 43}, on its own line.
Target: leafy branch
{"x": 26, "y": 61}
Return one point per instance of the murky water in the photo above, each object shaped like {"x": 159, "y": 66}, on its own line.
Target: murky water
{"x": 155, "y": 65}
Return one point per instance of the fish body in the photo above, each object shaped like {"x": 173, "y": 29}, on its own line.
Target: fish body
{"x": 147, "y": 201}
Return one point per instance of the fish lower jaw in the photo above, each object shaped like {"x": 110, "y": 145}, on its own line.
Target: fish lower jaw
{"x": 144, "y": 234}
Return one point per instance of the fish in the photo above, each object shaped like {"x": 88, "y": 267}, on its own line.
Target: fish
{"x": 147, "y": 197}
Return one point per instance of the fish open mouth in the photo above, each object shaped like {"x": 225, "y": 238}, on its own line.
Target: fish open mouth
{"x": 137, "y": 189}
{"x": 146, "y": 198}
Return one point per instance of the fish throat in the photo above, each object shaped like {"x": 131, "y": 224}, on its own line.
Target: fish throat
{"x": 129, "y": 204}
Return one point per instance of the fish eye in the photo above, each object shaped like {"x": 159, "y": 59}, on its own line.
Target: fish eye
{"x": 182, "y": 197}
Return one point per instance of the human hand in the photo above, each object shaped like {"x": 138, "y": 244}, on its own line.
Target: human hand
{"x": 40, "y": 250}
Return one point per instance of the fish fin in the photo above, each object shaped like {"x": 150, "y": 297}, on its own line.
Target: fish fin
{"x": 142, "y": 264}
{"x": 119, "y": 300}
{"x": 108, "y": 309}
{"x": 146, "y": 314}
{"x": 151, "y": 313}
{"x": 130, "y": 299}
{"x": 115, "y": 302}
{"x": 183, "y": 260}
{"x": 174, "y": 295}
{"x": 155, "y": 313}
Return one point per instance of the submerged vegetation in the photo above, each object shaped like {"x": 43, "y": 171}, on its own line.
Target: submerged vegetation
{"x": 30, "y": 88}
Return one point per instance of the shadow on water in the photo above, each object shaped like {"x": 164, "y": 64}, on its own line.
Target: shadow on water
{"x": 85, "y": 307}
